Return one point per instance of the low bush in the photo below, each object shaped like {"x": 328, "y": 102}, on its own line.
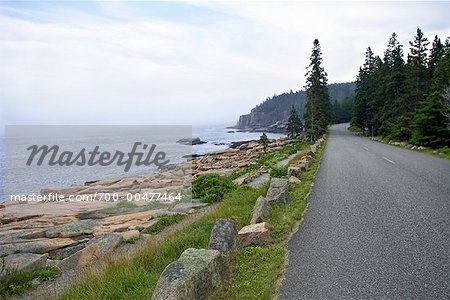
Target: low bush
{"x": 17, "y": 282}
{"x": 278, "y": 171}
{"x": 211, "y": 187}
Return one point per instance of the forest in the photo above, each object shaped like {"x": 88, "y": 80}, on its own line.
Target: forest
{"x": 406, "y": 100}
{"x": 340, "y": 93}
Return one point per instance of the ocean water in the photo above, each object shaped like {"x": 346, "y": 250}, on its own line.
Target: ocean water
{"x": 16, "y": 178}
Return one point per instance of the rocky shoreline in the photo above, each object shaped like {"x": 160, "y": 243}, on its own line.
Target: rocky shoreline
{"x": 69, "y": 235}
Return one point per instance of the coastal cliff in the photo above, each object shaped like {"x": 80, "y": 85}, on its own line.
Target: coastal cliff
{"x": 272, "y": 114}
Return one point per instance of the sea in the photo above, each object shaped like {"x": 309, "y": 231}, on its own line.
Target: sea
{"x": 26, "y": 180}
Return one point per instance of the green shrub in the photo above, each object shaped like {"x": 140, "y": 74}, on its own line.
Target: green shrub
{"x": 163, "y": 222}
{"x": 15, "y": 282}
{"x": 278, "y": 171}
{"x": 47, "y": 274}
{"x": 211, "y": 187}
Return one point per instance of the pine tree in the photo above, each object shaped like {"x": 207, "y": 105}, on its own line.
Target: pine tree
{"x": 318, "y": 113}
{"x": 294, "y": 123}
{"x": 432, "y": 127}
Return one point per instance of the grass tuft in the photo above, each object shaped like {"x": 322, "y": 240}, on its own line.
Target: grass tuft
{"x": 163, "y": 222}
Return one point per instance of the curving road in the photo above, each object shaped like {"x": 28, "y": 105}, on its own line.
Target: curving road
{"x": 377, "y": 225}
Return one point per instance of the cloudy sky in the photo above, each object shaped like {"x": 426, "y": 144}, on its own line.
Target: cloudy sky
{"x": 183, "y": 62}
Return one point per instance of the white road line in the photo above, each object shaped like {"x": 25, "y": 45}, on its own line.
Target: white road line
{"x": 385, "y": 158}
{"x": 366, "y": 149}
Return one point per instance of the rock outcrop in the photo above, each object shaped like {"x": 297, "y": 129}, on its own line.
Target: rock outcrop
{"x": 191, "y": 141}
{"x": 278, "y": 191}
{"x": 23, "y": 261}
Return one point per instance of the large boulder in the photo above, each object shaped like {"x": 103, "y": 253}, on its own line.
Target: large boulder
{"x": 261, "y": 209}
{"x": 293, "y": 171}
{"x": 308, "y": 158}
{"x": 303, "y": 165}
{"x": 254, "y": 235}
{"x": 22, "y": 261}
{"x": 278, "y": 191}
{"x": 294, "y": 180}
{"x": 223, "y": 236}
{"x": 197, "y": 274}
{"x": 72, "y": 229}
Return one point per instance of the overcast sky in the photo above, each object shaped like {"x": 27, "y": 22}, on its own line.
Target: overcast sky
{"x": 183, "y": 63}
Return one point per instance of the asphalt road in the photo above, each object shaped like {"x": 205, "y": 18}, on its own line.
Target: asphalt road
{"x": 377, "y": 225}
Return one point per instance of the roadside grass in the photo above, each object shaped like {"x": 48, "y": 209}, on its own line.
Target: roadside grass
{"x": 256, "y": 271}
{"x": 296, "y": 158}
{"x": 136, "y": 277}
{"x": 443, "y": 152}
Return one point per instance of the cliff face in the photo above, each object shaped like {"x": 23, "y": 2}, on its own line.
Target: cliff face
{"x": 272, "y": 114}
{"x": 256, "y": 119}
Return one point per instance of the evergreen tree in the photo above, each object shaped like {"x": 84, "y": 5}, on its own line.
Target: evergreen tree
{"x": 318, "y": 113}
{"x": 342, "y": 112}
{"x": 418, "y": 76}
{"x": 404, "y": 101}
{"x": 432, "y": 127}
{"x": 363, "y": 91}
{"x": 395, "y": 124}
{"x": 437, "y": 51}
{"x": 294, "y": 123}
{"x": 264, "y": 141}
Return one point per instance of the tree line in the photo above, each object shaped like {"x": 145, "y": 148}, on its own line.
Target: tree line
{"x": 406, "y": 100}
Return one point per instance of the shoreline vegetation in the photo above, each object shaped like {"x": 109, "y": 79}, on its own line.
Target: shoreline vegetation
{"x": 256, "y": 271}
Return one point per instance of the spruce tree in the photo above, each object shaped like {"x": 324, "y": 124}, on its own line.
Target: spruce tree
{"x": 395, "y": 124}
{"x": 432, "y": 127}
{"x": 437, "y": 51}
{"x": 364, "y": 92}
{"x": 294, "y": 123}
{"x": 418, "y": 76}
{"x": 318, "y": 113}
{"x": 264, "y": 141}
